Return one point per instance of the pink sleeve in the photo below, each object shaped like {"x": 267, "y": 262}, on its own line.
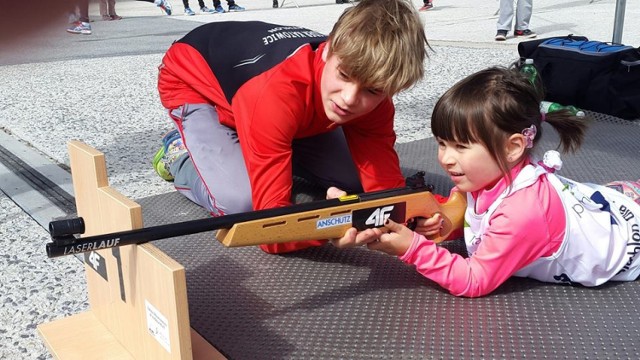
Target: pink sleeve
{"x": 521, "y": 230}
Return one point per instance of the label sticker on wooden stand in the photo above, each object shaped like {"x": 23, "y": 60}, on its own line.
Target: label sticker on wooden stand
{"x": 158, "y": 326}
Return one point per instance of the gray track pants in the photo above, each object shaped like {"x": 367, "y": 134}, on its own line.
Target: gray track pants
{"x": 213, "y": 173}
{"x": 524, "y": 9}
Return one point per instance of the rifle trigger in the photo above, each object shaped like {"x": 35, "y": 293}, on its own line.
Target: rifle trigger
{"x": 412, "y": 224}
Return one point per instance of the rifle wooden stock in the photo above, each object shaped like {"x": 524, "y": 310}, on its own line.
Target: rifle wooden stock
{"x": 305, "y": 225}
{"x": 307, "y": 221}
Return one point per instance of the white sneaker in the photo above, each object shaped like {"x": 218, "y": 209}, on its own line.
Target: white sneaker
{"x": 164, "y": 5}
{"x": 80, "y": 27}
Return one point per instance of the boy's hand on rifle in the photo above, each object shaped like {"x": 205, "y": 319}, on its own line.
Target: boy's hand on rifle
{"x": 394, "y": 242}
{"x": 353, "y": 238}
{"x": 429, "y": 227}
{"x": 334, "y": 193}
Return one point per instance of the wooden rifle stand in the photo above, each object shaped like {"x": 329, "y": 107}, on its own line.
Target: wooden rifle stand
{"x": 137, "y": 294}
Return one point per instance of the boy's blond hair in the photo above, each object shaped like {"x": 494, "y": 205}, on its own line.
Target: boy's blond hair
{"x": 381, "y": 44}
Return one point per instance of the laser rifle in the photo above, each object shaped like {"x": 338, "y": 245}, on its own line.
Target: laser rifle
{"x": 322, "y": 219}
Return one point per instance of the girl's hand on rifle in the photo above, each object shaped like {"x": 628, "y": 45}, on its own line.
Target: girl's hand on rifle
{"x": 395, "y": 241}
{"x": 429, "y": 227}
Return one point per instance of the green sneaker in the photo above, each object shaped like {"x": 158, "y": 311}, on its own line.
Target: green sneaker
{"x": 172, "y": 149}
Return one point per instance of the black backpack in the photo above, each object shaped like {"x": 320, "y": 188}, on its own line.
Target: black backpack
{"x": 592, "y": 75}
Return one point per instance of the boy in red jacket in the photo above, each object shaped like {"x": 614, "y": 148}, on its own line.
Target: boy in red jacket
{"x": 256, "y": 103}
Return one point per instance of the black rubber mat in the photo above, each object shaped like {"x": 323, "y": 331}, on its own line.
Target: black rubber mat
{"x": 325, "y": 303}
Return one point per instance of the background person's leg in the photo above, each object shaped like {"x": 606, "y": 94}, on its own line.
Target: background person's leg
{"x": 104, "y": 11}
{"x": 83, "y": 10}
{"x": 505, "y": 15}
{"x": 524, "y": 10}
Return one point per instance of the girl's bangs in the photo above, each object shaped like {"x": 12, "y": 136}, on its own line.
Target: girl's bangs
{"x": 456, "y": 122}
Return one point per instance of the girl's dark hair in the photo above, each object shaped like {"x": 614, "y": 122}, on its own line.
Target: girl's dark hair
{"x": 491, "y": 105}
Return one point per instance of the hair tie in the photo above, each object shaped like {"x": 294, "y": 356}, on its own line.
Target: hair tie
{"x": 551, "y": 161}
{"x": 543, "y": 117}
{"x": 530, "y": 134}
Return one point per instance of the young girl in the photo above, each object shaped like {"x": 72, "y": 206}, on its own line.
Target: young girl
{"x": 521, "y": 218}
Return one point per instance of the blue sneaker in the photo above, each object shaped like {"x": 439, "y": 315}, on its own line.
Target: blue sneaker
{"x": 80, "y": 27}
{"x": 219, "y": 10}
{"x": 235, "y": 7}
{"x": 206, "y": 10}
{"x": 188, "y": 12}
{"x": 164, "y": 5}
{"x": 172, "y": 148}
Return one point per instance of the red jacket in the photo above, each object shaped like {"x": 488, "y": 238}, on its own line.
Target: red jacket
{"x": 267, "y": 87}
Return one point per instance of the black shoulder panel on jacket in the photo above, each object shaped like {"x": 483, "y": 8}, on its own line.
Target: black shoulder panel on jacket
{"x": 237, "y": 51}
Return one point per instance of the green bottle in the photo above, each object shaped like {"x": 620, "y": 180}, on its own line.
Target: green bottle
{"x": 549, "y": 107}
{"x": 530, "y": 71}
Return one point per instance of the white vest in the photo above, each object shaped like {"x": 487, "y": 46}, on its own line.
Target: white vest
{"x": 601, "y": 243}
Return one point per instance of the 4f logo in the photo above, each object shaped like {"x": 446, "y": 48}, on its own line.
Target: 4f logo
{"x": 377, "y": 216}
{"x": 94, "y": 260}
{"x": 97, "y": 263}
